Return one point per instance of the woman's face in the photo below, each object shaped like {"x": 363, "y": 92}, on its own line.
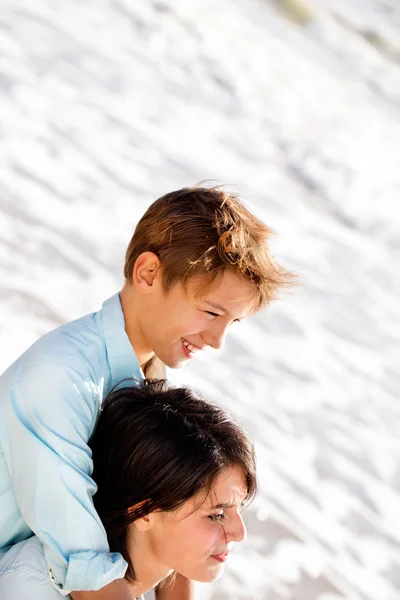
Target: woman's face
{"x": 195, "y": 539}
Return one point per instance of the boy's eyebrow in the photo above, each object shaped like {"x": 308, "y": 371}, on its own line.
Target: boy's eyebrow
{"x": 221, "y": 308}
{"x": 217, "y": 306}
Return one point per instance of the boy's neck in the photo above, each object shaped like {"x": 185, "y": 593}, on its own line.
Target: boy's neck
{"x": 154, "y": 369}
{"x": 151, "y": 366}
{"x": 132, "y": 325}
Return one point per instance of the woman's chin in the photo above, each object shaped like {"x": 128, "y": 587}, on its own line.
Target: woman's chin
{"x": 209, "y": 575}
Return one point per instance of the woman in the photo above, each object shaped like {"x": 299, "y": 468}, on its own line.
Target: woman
{"x": 173, "y": 473}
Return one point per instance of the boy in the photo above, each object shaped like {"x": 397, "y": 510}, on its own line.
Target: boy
{"x": 198, "y": 261}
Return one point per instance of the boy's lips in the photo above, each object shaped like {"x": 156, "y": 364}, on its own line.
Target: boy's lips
{"x": 189, "y": 349}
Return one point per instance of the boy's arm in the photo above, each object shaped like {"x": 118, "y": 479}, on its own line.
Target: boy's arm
{"x": 180, "y": 588}
{"x": 116, "y": 590}
{"x": 50, "y": 414}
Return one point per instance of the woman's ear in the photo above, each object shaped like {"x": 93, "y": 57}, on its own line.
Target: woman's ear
{"x": 145, "y": 271}
{"x": 142, "y": 523}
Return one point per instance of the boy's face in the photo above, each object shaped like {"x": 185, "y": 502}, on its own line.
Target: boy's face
{"x": 180, "y": 323}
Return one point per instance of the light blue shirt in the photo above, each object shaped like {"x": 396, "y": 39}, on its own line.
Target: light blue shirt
{"x": 24, "y": 573}
{"x": 49, "y": 403}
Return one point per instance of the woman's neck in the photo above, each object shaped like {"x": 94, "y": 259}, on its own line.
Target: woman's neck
{"x": 149, "y": 569}
{"x": 147, "y": 577}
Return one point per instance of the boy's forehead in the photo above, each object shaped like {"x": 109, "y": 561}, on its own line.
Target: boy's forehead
{"x": 225, "y": 293}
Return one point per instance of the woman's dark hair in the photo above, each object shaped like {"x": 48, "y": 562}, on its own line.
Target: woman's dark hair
{"x": 154, "y": 447}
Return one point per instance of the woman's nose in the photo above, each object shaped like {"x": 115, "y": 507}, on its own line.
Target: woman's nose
{"x": 236, "y": 530}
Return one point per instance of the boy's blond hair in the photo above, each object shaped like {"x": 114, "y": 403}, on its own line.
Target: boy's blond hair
{"x": 204, "y": 231}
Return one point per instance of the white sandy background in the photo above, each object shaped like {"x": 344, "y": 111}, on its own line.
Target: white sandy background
{"x": 106, "y": 105}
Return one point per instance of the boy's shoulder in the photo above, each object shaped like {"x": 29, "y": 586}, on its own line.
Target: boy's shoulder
{"x": 78, "y": 344}
{"x": 82, "y": 338}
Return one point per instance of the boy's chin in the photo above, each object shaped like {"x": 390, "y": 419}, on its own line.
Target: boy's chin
{"x": 172, "y": 361}
{"x": 177, "y": 364}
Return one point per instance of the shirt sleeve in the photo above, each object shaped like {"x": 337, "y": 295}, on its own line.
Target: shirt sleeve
{"x": 51, "y": 414}
{"x": 24, "y": 573}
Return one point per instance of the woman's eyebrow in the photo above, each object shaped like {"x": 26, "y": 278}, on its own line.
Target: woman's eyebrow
{"x": 227, "y": 505}
{"x": 224, "y": 505}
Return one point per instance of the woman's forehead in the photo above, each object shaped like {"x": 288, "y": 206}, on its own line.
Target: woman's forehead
{"x": 229, "y": 489}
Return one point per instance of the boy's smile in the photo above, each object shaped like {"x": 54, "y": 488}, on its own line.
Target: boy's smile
{"x": 189, "y": 349}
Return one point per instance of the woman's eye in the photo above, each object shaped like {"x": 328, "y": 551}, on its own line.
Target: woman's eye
{"x": 217, "y": 518}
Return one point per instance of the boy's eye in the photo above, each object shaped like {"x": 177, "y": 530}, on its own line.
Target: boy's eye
{"x": 218, "y": 517}
{"x": 213, "y": 314}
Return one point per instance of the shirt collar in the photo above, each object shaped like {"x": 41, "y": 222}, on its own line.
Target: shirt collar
{"x": 121, "y": 357}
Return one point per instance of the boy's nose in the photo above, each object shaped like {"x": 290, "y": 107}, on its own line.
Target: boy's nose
{"x": 215, "y": 337}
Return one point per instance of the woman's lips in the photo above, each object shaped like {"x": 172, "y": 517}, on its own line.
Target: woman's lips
{"x": 221, "y": 557}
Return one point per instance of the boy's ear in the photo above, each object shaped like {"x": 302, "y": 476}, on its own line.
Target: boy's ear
{"x": 145, "y": 271}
